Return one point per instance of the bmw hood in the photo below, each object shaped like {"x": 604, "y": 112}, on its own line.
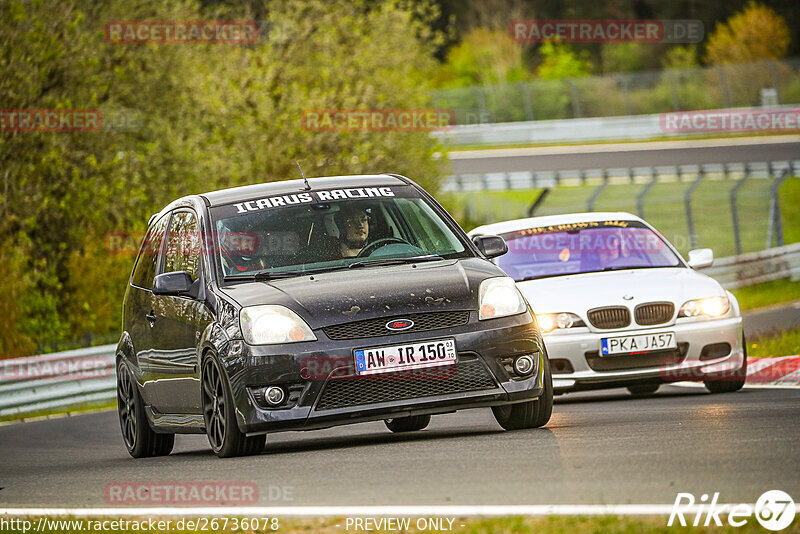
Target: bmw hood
{"x": 346, "y": 295}
{"x": 582, "y": 292}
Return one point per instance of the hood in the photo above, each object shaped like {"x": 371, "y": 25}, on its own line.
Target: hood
{"x": 356, "y": 294}
{"x": 582, "y": 292}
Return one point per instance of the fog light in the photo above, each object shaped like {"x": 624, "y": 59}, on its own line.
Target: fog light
{"x": 523, "y": 365}
{"x": 274, "y": 395}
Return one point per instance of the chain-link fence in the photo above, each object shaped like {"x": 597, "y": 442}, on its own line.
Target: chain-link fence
{"x": 722, "y": 86}
{"x": 732, "y": 208}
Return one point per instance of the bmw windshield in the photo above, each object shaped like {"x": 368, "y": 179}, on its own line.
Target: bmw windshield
{"x": 585, "y": 247}
{"x": 313, "y": 231}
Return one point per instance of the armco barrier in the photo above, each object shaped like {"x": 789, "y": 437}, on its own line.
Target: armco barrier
{"x": 83, "y": 377}
{"x": 63, "y": 381}
{"x": 756, "y": 267}
{"x": 624, "y": 128}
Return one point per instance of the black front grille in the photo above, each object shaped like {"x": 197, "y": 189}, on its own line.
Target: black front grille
{"x": 653, "y": 313}
{"x": 377, "y": 327}
{"x": 621, "y": 362}
{"x": 469, "y": 375}
{"x": 611, "y": 317}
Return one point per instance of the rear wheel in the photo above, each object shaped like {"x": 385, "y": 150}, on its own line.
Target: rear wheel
{"x": 408, "y": 424}
{"x": 643, "y": 390}
{"x": 140, "y": 440}
{"x": 223, "y": 433}
{"x": 531, "y": 414}
{"x": 735, "y": 382}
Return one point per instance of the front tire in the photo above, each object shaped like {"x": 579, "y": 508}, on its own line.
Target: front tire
{"x": 531, "y": 414}
{"x": 408, "y": 424}
{"x": 219, "y": 416}
{"x": 733, "y": 383}
{"x": 140, "y": 440}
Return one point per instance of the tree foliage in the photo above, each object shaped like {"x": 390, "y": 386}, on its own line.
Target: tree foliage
{"x": 755, "y": 33}
{"x": 201, "y": 117}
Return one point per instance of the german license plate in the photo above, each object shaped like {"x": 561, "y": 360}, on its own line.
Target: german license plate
{"x": 406, "y": 356}
{"x": 638, "y": 343}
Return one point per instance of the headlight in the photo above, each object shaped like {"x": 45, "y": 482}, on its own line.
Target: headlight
{"x": 711, "y": 307}
{"x": 550, "y": 321}
{"x": 271, "y": 325}
{"x": 499, "y": 297}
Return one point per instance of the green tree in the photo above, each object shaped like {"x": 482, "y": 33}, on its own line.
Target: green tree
{"x": 755, "y": 33}
{"x": 484, "y": 57}
{"x": 560, "y": 62}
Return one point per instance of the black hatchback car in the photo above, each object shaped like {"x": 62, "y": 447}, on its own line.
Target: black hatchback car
{"x": 301, "y": 305}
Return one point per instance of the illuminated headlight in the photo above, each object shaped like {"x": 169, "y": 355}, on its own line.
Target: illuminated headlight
{"x": 550, "y": 321}
{"x": 271, "y": 325}
{"x": 499, "y": 297}
{"x": 710, "y": 307}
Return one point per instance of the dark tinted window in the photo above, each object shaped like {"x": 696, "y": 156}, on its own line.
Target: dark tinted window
{"x": 183, "y": 244}
{"x": 145, "y": 269}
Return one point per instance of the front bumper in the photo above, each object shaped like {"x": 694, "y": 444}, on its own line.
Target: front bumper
{"x": 592, "y": 371}
{"x": 325, "y": 392}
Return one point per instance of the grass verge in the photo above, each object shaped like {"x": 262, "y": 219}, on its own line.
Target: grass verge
{"x": 767, "y": 294}
{"x": 786, "y": 343}
{"x": 58, "y": 411}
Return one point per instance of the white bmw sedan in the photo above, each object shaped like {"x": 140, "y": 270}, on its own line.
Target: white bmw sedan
{"x": 619, "y": 307}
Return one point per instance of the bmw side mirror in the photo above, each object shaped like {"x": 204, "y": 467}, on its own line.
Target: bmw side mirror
{"x": 490, "y": 246}
{"x": 701, "y": 257}
{"x": 175, "y": 283}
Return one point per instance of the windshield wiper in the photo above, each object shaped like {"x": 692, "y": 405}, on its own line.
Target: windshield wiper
{"x": 395, "y": 261}
{"x": 270, "y": 275}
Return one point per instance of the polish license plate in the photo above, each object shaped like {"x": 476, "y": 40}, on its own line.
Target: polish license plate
{"x": 406, "y": 356}
{"x": 639, "y": 343}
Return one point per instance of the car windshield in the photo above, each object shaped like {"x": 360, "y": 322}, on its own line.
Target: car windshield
{"x": 585, "y": 247}
{"x": 284, "y": 235}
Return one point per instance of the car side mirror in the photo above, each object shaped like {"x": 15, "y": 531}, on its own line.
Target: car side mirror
{"x": 701, "y": 257}
{"x": 490, "y": 246}
{"x": 175, "y": 283}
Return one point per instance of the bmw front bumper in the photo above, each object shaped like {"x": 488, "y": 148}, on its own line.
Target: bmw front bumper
{"x": 707, "y": 349}
{"x": 323, "y": 390}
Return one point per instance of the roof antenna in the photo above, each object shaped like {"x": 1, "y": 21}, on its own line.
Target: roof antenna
{"x": 308, "y": 186}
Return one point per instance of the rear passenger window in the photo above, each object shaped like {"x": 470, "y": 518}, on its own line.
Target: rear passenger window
{"x": 183, "y": 245}
{"x": 145, "y": 269}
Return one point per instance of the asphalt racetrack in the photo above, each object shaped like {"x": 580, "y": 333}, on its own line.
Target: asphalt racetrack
{"x": 599, "y": 448}
{"x": 609, "y": 156}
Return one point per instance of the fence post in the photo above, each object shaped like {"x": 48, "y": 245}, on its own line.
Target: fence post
{"x": 673, "y": 85}
{"x": 645, "y": 191}
{"x": 538, "y": 201}
{"x": 734, "y": 210}
{"x": 576, "y": 100}
{"x": 775, "y": 224}
{"x": 687, "y": 201}
{"x": 623, "y": 78}
{"x": 597, "y": 192}
{"x": 527, "y": 100}
{"x": 723, "y": 80}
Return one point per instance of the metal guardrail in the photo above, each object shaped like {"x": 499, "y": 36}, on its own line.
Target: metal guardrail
{"x": 625, "y": 128}
{"x": 83, "y": 377}
{"x": 756, "y": 267}
{"x": 63, "y": 380}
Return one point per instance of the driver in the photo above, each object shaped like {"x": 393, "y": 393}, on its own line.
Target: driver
{"x": 353, "y": 224}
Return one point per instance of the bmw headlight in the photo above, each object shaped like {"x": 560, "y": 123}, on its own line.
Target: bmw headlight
{"x": 499, "y": 297}
{"x": 710, "y": 307}
{"x": 550, "y": 321}
{"x": 272, "y": 325}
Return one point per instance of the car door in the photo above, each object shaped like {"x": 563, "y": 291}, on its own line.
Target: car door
{"x": 138, "y": 310}
{"x": 180, "y": 320}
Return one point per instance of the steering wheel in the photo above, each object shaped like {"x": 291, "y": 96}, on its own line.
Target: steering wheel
{"x": 375, "y": 245}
